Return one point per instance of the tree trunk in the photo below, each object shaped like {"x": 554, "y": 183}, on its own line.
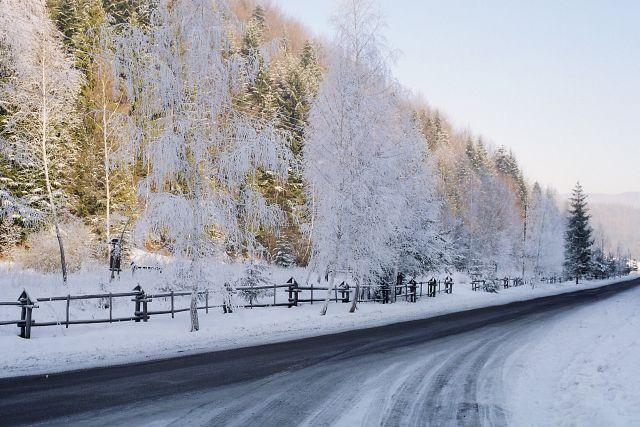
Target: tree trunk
{"x": 325, "y": 306}
{"x": 193, "y": 308}
{"x": 45, "y": 165}
{"x": 63, "y": 260}
{"x": 106, "y": 163}
{"x": 195, "y": 324}
{"x": 354, "y": 302}
{"x": 196, "y": 244}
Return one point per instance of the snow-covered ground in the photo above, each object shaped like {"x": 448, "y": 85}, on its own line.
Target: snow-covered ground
{"x": 583, "y": 369}
{"x": 56, "y": 348}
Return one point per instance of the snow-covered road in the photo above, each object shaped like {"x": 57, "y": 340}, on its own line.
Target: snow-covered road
{"x": 471, "y": 368}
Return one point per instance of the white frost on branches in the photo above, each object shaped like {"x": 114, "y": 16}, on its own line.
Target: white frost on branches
{"x": 365, "y": 163}
{"x": 494, "y": 227}
{"x": 201, "y": 153}
{"x": 544, "y": 246}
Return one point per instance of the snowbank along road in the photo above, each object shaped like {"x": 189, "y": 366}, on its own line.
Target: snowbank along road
{"x": 447, "y": 370}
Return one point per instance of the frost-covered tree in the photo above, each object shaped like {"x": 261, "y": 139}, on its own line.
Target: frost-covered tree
{"x": 255, "y": 276}
{"x": 108, "y": 118}
{"x": 493, "y": 227}
{"x": 578, "y": 241}
{"x": 39, "y": 95}
{"x": 545, "y": 233}
{"x": 507, "y": 166}
{"x": 202, "y": 154}
{"x": 418, "y": 241}
{"x": 364, "y": 159}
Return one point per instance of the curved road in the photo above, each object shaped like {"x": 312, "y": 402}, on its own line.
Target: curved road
{"x": 446, "y": 370}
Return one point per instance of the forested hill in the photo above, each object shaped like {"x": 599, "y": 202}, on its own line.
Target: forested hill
{"x": 480, "y": 196}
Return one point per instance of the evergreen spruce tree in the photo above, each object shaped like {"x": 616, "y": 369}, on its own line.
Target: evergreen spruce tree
{"x": 507, "y": 165}
{"x": 259, "y": 99}
{"x": 78, "y": 21}
{"x": 478, "y": 156}
{"x": 436, "y": 133}
{"x": 578, "y": 241}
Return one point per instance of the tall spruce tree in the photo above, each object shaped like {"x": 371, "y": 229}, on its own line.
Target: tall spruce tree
{"x": 578, "y": 241}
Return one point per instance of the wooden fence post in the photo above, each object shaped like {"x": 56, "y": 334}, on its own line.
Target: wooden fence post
{"x": 27, "y": 306}
{"x": 431, "y": 287}
{"x": 172, "y": 312}
{"x": 448, "y": 285}
{"x": 412, "y": 286}
{"x": 145, "y": 300}
{"x": 110, "y": 308}
{"x": 137, "y": 301}
{"x": 206, "y": 301}
{"x": 311, "y": 293}
{"x": 293, "y": 292}
{"x": 344, "y": 292}
{"x": 27, "y": 330}
{"x": 68, "y": 303}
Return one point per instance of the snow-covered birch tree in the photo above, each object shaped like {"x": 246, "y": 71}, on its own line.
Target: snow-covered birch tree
{"x": 545, "y": 233}
{"x": 493, "y": 227}
{"x": 39, "y": 95}
{"x": 361, "y": 158}
{"x": 418, "y": 241}
{"x": 181, "y": 75}
{"x": 107, "y": 112}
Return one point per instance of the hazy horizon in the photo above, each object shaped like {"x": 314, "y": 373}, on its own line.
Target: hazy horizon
{"x": 557, "y": 83}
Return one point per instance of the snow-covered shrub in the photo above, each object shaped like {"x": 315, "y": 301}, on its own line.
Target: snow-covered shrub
{"x": 42, "y": 252}
{"x": 255, "y": 275}
{"x": 492, "y": 285}
{"x": 284, "y": 253}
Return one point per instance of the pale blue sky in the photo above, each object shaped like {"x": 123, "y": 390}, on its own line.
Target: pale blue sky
{"x": 558, "y": 81}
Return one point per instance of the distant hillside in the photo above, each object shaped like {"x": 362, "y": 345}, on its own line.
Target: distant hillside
{"x": 631, "y": 199}
{"x": 616, "y": 220}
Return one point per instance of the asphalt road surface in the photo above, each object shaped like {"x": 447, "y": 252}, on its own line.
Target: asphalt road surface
{"x": 446, "y": 370}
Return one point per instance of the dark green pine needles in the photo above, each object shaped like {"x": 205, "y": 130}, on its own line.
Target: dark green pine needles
{"x": 578, "y": 241}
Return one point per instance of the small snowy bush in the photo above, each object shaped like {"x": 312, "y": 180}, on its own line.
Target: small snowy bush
{"x": 255, "y": 275}
{"x": 42, "y": 252}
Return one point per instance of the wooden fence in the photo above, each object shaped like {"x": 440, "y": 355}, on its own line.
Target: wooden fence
{"x": 410, "y": 291}
{"x": 491, "y": 285}
{"x": 296, "y": 295}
